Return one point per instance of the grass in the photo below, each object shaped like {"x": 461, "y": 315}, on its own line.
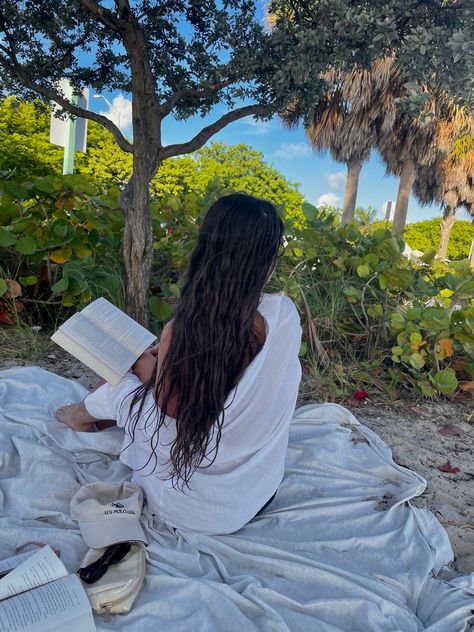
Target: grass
{"x": 22, "y": 342}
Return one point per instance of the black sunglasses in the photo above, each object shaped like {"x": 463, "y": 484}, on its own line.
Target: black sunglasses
{"x": 94, "y": 571}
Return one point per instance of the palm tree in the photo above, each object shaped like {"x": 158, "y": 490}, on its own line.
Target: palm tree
{"x": 343, "y": 121}
{"x": 407, "y": 144}
{"x": 450, "y": 180}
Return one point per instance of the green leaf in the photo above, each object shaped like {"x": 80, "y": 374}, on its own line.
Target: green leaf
{"x": 6, "y": 238}
{"x": 428, "y": 256}
{"x": 160, "y": 308}
{"x": 28, "y": 280}
{"x": 445, "y": 381}
{"x": 174, "y": 290}
{"x": 68, "y": 300}
{"x": 376, "y": 311}
{"x": 435, "y": 318}
{"x": 382, "y": 281}
{"x": 426, "y": 388}
{"x": 363, "y": 271}
{"x": 303, "y": 350}
{"x": 61, "y": 285}
{"x": 3, "y": 287}
{"x": 397, "y": 321}
{"x": 26, "y": 245}
{"x": 399, "y": 278}
{"x": 390, "y": 249}
{"x": 414, "y": 313}
{"x": 417, "y": 361}
{"x": 416, "y": 338}
{"x": 397, "y": 351}
{"x": 309, "y": 211}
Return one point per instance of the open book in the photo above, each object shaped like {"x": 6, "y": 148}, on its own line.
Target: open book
{"x": 104, "y": 339}
{"x": 38, "y": 595}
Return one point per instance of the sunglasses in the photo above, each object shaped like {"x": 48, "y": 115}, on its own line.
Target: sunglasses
{"x": 112, "y": 555}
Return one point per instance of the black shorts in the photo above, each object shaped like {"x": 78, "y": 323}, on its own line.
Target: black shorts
{"x": 265, "y": 505}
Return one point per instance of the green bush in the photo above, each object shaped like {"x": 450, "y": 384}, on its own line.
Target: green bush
{"x": 365, "y": 303}
{"x": 59, "y": 238}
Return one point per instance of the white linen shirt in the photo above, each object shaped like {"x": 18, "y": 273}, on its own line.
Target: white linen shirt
{"x": 250, "y": 460}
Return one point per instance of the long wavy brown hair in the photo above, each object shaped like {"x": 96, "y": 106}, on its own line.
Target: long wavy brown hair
{"x": 213, "y": 336}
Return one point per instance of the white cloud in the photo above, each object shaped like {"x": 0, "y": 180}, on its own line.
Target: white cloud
{"x": 329, "y": 199}
{"x": 120, "y": 112}
{"x": 292, "y": 150}
{"x": 335, "y": 180}
{"x": 256, "y": 128}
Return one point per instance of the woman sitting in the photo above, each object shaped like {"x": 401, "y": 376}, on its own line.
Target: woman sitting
{"x": 206, "y": 413}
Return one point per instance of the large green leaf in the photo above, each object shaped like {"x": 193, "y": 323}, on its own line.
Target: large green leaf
{"x": 160, "y": 308}
{"x": 3, "y": 287}
{"x": 6, "y": 238}
{"x": 61, "y": 285}
{"x": 445, "y": 381}
{"x": 26, "y": 245}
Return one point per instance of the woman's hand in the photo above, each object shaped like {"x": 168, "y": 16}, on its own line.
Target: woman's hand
{"x": 144, "y": 366}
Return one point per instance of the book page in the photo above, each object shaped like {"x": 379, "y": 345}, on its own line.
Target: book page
{"x": 52, "y": 607}
{"x": 119, "y": 326}
{"x": 86, "y": 357}
{"x": 108, "y": 334}
{"x": 38, "y": 569}
{"x": 12, "y": 562}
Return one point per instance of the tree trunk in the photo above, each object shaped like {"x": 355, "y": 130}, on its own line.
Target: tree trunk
{"x": 137, "y": 247}
{"x": 350, "y": 194}
{"x": 407, "y": 177}
{"x": 446, "y": 227}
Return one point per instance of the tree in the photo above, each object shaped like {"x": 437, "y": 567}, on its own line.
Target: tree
{"x": 424, "y": 236}
{"x": 238, "y": 167}
{"x": 24, "y": 139}
{"x": 184, "y": 57}
{"x": 366, "y": 215}
{"x": 343, "y": 120}
{"x": 409, "y": 144}
{"x": 450, "y": 181}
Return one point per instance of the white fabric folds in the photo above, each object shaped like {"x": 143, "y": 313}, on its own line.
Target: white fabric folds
{"x": 340, "y": 549}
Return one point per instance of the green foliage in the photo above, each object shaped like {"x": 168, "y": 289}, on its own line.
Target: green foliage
{"x": 60, "y": 240}
{"x": 370, "y": 304}
{"x": 426, "y": 235}
{"x": 238, "y": 167}
{"x": 24, "y": 139}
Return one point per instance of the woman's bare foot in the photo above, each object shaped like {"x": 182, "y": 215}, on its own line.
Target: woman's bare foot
{"x": 76, "y": 417}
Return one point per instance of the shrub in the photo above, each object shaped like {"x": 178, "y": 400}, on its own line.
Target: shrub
{"x": 59, "y": 238}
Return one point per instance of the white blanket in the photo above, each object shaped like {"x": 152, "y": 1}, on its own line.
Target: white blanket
{"x": 340, "y": 549}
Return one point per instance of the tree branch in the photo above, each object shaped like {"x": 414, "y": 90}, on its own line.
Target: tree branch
{"x": 166, "y": 107}
{"x": 12, "y": 65}
{"x": 51, "y": 95}
{"x": 103, "y": 15}
{"x": 207, "y": 132}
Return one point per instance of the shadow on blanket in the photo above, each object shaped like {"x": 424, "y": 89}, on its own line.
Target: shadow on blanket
{"x": 340, "y": 549}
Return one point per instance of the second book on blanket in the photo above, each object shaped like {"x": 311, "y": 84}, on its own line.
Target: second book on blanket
{"x": 104, "y": 338}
